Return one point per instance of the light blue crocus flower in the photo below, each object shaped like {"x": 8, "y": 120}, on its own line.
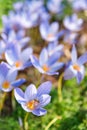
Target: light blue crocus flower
{"x": 33, "y": 100}
{"x": 70, "y": 37}
{"x": 8, "y": 78}
{"x": 47, "y": 64}
{"x": 49, "y": 32}
{"x": 17, "y": 58}
{"x": 79, "y": 5}
{"x": 73, "y": 23}
{"x": 54, "y": 47}
{"x": 76, "y": 68}
{"x": 55, "y": 6}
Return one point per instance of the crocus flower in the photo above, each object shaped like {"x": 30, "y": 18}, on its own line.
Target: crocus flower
{"x": 54, "y": 47}
{"x": 8, "y": 78}
{"x": 54, "y": 6}
{"x": 70, "y": 37}
{"x": 49, "y": 32}
{"x": 47, "y": 64}
{"x": 17, "y": 58}
{"x": 79, "y": 5}
{"x": 73, "y": 23}
{"x": 76, "y": 68}
{"x": 33, "y": 100}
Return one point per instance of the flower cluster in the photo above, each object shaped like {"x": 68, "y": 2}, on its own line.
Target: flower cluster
{"x": 16, "y": 54}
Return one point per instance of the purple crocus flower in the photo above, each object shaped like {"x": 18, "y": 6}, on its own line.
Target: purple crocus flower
{"x": 79, "y": 5}
{"x": 70, "y": 37}
{"x": 47, "y": 64}
{"x": 17, "y": 58}
{"x": 54, "y": 47}
{"x": 33, "y": 100}
{"x": 49, "y": 32}
{"x": 76, "y": 68}
{"x": 8, "y": 78}
{"x": 73, "y": 23}
{"x": 54, "y": 6}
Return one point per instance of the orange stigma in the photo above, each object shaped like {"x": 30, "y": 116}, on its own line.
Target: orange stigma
{"x": 32, "y": 104}
{"x": 45, "y": 67}
{"x": 76, "y": 67}
{"x": 18, "y": 64}
{"x": 6, "y": 85}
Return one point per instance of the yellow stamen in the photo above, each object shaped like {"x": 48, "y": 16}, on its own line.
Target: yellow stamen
{"x": 76, "y": 67}
{"x": 6, "y": 85}
{"x": 18, "y": 64}
{"x": 32, "y": 104}
{"x": 45, "y": 67}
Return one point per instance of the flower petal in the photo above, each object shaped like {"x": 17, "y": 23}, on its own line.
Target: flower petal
{"x": 11, "y": 53}
{"x": 39, "y": 112}
{"x": 11, "y": 76}
{"x": 53, "y": 58}
{"x": 44, "y": 100}
{"x": 82, "y": 59}
{"x": 36, "y": 64}
{"x": 43, "y": 56}
{"x": 44, "y": 88}
{"x": 19, "y": 95}
{"x": 18, "y": 82}
{"x": 80, "y": 75}
{"x": 25, "y": 55}
{"x": 56, "y": 66}
{"x": 68, "y": 74}
{"x": 74, "y": 54}
{"x": 30, "y": 92}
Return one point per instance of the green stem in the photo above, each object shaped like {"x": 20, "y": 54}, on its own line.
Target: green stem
{"x": 25, "y": 121}
{"x": 52, "y": 122}
{"x": 60, "y": 87}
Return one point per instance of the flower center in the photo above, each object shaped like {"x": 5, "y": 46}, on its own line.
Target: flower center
{"x": 45, "y": 67}
{"x": 50, "y": 35}
{"x": 6, "y": 85}
{"x": 18, "y": 64}
{"x": 32, "y": 104}
{"x": 76, "y": 67}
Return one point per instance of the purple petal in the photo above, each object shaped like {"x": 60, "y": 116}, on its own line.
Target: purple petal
{"x": 4, "y": 68}
{"x": 12, "y": 74}
{"x": 25, "y": 55}
{"x": 53, "y": 58}
{"x": 12, "y": 54}
{"x": 43, "y": 56}
{"x": 44, "y": 100}
{"x": 82, "y": 59}
{"x": 19, "y": 95}
{"x": 56, "y": 66}
{"x": 74, "y": 54}
{"x": 52, "y": 73}
{"x": 43, "y": 30}
{"x": 18, "y": 82}
{"x": 39, "y": 112}
{"x": 30, "y": 93}
{"x": 68, "y": 74}
{"x": 54, "y": 27}
{"x": 36, "y": 64}
{"x": 44, "y": 88}
{"x": 80, "y": 75}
